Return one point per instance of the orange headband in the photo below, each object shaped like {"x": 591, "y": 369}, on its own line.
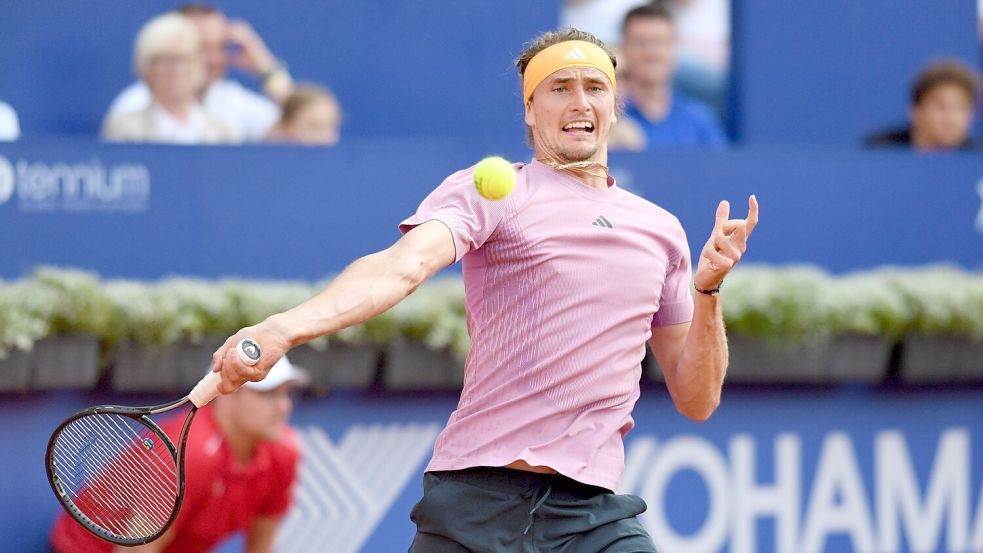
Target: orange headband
{"x": 572, "y": 53}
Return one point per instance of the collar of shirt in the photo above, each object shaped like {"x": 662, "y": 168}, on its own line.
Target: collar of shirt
{"x": 215, "y": 446}
{"x": 172, "y": 129}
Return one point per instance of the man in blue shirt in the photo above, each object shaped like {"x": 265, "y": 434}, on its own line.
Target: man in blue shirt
{"x": 657, "y": 115}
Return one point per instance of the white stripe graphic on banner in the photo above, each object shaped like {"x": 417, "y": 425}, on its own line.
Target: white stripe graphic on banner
{"x": 344, "y": 490}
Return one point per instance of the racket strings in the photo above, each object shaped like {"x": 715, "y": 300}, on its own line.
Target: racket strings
{"x": 118, "y": 477}
{"x": 103, "y": 500}
{"x": 118, "y": 473}
{"x": 110, "y": 500}
{"x": 121, "y": 480}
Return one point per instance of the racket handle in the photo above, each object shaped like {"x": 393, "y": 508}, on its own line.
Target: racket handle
{"x": 249, "y": 351}
{"x": 206, "y": 389}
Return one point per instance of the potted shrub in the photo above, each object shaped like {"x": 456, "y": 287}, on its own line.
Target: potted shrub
{"x": 346, "y": 360}
{"x": 77, "y": 311}
{"x": 165, "y": 333}
{"x": 865, "y": 318}
{"x": 799, "y": 325}
{"x": 431, "y": 338}
{"x": 774, "y": 324}
{"x": 943, "y": 341}
{"x": 22, "y": 323}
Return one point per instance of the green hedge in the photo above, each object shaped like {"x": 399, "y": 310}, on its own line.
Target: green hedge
{"x": 803, "y": 303}
{"x": 789, "y": 304}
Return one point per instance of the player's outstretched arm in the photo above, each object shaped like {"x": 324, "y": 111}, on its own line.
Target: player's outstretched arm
{"x": 694, "y": 355}
{"x": 366, "y": 288}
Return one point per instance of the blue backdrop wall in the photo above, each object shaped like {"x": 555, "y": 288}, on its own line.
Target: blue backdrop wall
{"x": 399, "y": 68}
{"x": 806, "y": 72}
{"x": 807, "y": 471}
{"x": 833, "y": 72}
{"x": 143, "y": 211}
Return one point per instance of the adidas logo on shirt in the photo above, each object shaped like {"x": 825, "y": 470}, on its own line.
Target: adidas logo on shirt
{"x": 575, "y": 54}
{"x": 601, "y": 221}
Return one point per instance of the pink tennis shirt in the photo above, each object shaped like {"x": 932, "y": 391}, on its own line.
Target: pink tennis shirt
{"x": 563, "y": 284}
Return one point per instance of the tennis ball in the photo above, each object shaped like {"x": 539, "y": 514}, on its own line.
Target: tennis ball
{"x": 494, "y": 177}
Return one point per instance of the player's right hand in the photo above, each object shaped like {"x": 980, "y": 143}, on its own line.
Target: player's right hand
{"x": 273, "y": 345}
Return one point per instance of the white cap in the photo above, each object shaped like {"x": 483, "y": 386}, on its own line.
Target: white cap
{"x": 280, "y": 373}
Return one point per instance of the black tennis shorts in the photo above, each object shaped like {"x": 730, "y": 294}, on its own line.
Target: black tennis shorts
{"x": 500, "y": 510}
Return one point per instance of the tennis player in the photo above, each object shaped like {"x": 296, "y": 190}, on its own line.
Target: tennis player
{"x": 565, "y": 281}
{"x": 239, "y": 472}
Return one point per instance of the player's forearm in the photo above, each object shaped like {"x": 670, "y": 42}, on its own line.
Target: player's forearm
{"x": 702, "y": 364}
{"x": 363, "y": 290}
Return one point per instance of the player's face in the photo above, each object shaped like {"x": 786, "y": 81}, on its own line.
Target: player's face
{"x": 571, "y": 113}
{"x": 649, "y": 50}
{"x": 212, "y": 28}
{"x": 943, "y": 116}
{"x": 263, "y": 415}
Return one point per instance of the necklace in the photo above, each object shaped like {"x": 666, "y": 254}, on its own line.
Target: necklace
{"x": 587, "y": 168}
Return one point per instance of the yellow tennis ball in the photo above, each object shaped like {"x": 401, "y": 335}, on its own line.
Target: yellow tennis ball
{"x": 494, "y": 177}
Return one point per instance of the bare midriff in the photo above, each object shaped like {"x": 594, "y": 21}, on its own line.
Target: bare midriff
{"x": 522, "y": 465}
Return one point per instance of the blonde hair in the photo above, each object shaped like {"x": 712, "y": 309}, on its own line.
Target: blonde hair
{"x": 159, "y": 33}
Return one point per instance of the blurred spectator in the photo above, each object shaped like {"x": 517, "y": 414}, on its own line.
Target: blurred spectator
{"x": 9, "y": 127}
{"x": 311, "y": 116}
{"x": 656, "y": 114}
{"x": 240, "y": 467}
{"x": 228, "y": 44}
{"x": 940, "y": 114}
{"x": 703, "y": 29}
{"x": 167, "y": 57}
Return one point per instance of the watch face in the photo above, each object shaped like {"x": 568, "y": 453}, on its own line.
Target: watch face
{"x": 251, "y": 349}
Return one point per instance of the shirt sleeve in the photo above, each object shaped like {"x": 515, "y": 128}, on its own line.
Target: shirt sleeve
{"x": 676, "y": 302}
{"x": 470, "y": 218}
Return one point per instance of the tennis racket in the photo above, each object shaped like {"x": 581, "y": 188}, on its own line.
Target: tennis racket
{"x": 117, "y": 473}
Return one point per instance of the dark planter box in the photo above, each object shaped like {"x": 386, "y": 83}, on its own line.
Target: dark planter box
{"x": 338, "y": 367}
{"x": 174, "y": 368}
{"x": 412, "y": 366}
{"x": 15, "y": 370}
{"x": 839, "y": 359}
{"x": 66, "y": 361}
{"x": 941, "y": 359}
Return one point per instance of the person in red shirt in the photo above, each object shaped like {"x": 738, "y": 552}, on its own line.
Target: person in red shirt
{"x": 240, "y": 467}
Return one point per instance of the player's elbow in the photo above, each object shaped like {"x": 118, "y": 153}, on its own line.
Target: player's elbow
{"x": 409, "y": 268}
{"x": 699, "y": 411}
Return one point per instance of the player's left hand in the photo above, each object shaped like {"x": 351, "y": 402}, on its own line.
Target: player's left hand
{"x": 727, "y": 243}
